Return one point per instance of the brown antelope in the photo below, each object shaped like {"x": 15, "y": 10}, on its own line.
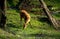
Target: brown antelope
{"x": 24, "y": 15}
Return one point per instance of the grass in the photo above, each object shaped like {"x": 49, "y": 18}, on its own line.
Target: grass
{"x": 41, "y": 29}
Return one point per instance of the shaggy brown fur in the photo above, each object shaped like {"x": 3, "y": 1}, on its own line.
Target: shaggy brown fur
{"x": 24, "y": 14}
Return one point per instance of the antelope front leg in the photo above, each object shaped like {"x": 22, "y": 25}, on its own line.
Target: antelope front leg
{"x": 26, "y": 22}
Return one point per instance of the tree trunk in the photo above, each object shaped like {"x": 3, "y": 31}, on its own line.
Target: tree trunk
{"x": 2, "y": 12}
{"x": 47, "y": 12}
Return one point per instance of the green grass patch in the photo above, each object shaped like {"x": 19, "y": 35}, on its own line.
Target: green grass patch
{"x": 40, "y": 29}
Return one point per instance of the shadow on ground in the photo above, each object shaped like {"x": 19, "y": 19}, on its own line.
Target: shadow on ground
{"x": 40, "y": 35}
{"x": 12, "y": 28}
{"x": 13, "y": 25}
{"x": 44, "y": 19}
